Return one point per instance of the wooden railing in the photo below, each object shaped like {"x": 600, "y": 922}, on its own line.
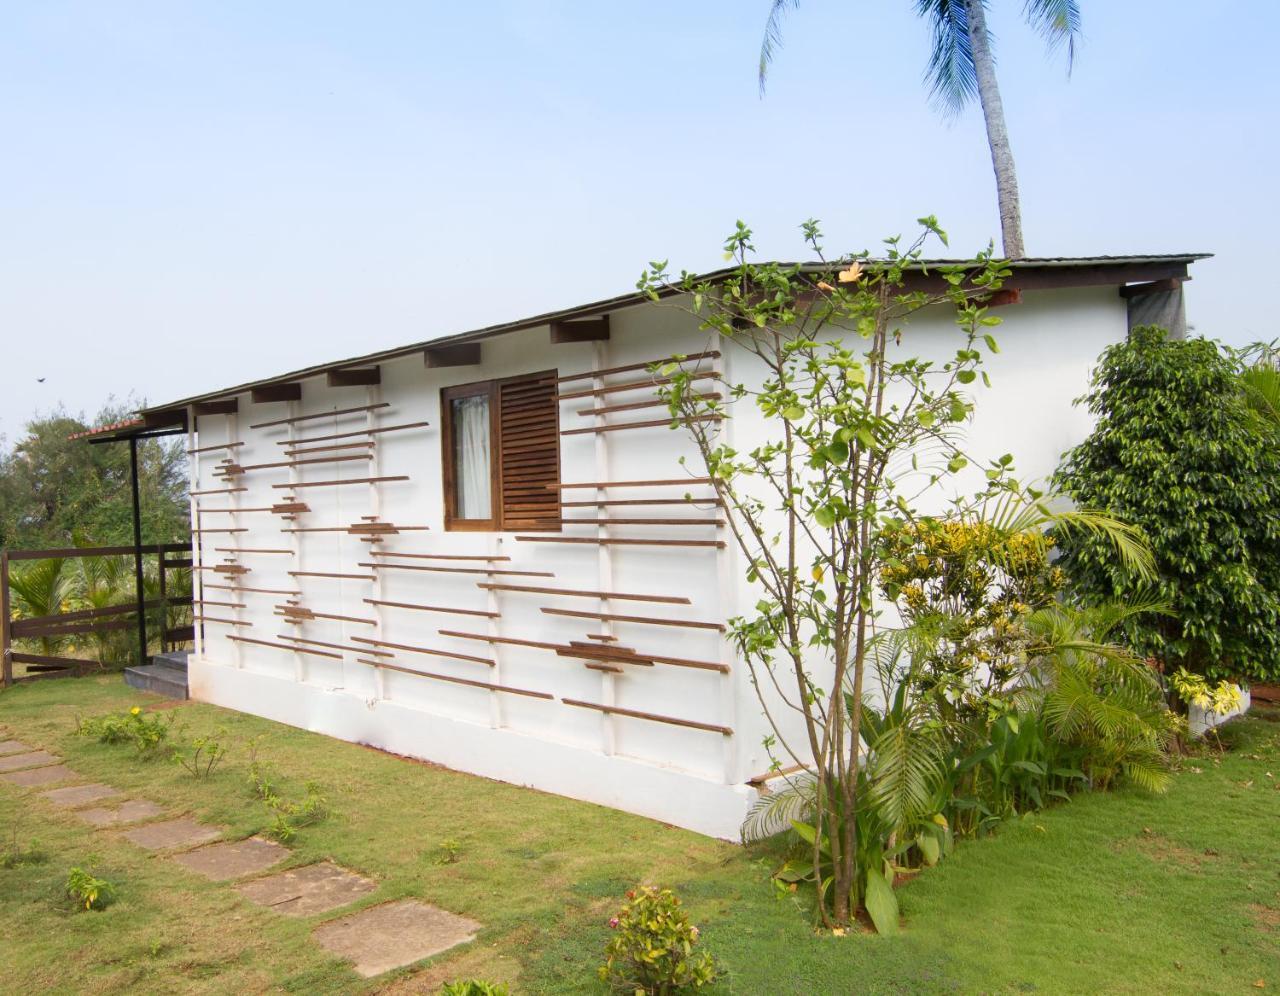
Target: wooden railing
{"x": 109, "y": 618}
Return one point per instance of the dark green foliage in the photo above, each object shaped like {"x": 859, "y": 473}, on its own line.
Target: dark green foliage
{"x": 1178, "y": 452}
{"x": 55, "y": 490}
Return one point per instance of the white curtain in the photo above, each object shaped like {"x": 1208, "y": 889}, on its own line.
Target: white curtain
{"x": 474, "y": 494}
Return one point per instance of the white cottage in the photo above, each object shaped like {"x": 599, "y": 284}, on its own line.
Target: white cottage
{"x": 484, "y": 551}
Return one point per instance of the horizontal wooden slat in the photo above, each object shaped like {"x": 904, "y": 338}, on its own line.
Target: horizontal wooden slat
{"x": 351, "y": 435}
{"x": 69, "y": 662}
{"x": 634, "y": 385}
{"x": 610, "y": 502}
{"x": 616, "y": 541}
{"x": 617, "y": 595}
{"x": 333, "y": 447}
{"x": 630, "y": 367}
{"x": 489, "y": 686}
{"x": 460, "y": 570}
{"x": 354, "y": 480}
{"x": 333, "y": 414}
{"x": 332, "y": 646}
{"x": 447, "y": 610}
{"x": 429, "y": 651}
{"x": 212, "y": 448}
{"x": 648, "y": 424}
{"x": 642, "y": 522}
{"x": 256, "y": 591}
{"x": 326, "y": 574}
{"x": 600, "y": 485}
{"x": 219, "y": 491}
{"x": 439, "y": 556}
{"x": 651, "y": 716}
{"x": 643, "y": 620}
{"x": 285, "y": 646}
{"x": 637, "y": 405}
{"x": 223, "y": 622}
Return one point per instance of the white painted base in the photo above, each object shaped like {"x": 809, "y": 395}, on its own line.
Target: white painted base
{"x": 1199, "y": 720}
{"x": 634, "y": 786}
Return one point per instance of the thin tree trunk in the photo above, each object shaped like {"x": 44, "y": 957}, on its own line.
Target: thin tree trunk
{"x": 997, "y": 135}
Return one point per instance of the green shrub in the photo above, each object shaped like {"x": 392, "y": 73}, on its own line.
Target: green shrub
{"x": 474, "y": 987}
{"x": 651, "y": 950}
{"x": 1178, "y": 452}
{"x": 200, "y": 756}
{"x": 287, "y": 818}
{"x": 148, "y": 733}
{"x": 87, "y": 890}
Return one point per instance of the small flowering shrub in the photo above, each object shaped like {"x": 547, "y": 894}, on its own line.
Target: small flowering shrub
{"x": 474, "y": 987}
{"x": 651, "y": 950}
{"x": 148, "y": 734}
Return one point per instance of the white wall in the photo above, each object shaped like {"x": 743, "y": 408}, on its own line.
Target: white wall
{"x": 690, "y": 777}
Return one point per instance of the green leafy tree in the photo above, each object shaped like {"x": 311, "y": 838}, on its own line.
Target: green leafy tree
{"x": 1178, "y": 451}
{"x": 57, "y": 492}
{"x": 961, "y": 68}
{"x": 858, "y": 431}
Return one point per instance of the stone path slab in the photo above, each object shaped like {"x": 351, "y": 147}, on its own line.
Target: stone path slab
{"x": 80, "y": 795}
{"x": 233, "y": 859}
{"x": 14, "y": 747}
{"x": 170, "y": 835}
{"x": 129, "y": 811}
{"x": 311, "y": 889}
{"x": 35, "y": 777}
{"x": 384, "y": 937}
{"x": 13, "y": 762}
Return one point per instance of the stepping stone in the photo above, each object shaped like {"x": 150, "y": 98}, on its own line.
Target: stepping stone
{"x": 233, "y": 859}
{"x": 170, "y": 835}
{"x": 30, "y": 760}
{"x": 385, "y": 937}
{"x": 13, "y": 747}
{"x": 35, "y": 777}
{"x": 80, "y": 795}
{"x": 129, "y": 811}
{"x": 311, "y": 889}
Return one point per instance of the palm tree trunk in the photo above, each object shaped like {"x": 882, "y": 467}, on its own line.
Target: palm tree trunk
{"x": 997, "y": 135}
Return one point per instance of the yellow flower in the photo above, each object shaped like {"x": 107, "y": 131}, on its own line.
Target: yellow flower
{"x": 135, "y": 711}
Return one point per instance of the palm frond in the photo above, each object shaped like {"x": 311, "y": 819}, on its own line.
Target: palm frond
{"x": 773, "y": 812}
{"x": 907, "y": 768}
{"x": 1057, "y": 22}
{"x": 772, "y": 40}
{"x": 1262, "y": 392}
{"x": 951, "y": 74}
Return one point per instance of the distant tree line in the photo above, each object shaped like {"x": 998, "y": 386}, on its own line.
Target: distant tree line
{"x": 56, "y": 491}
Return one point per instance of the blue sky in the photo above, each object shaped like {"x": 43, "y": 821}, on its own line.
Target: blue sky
{"x": 196, "y": 194}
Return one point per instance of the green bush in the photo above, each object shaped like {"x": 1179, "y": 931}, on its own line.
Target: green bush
{"x": 1178, "y": 451}
{"x": 87, "y": 890}
{"x": 149, "y": 734}
{"x": 651, "y": 950}
{"x": 474, "y": 987}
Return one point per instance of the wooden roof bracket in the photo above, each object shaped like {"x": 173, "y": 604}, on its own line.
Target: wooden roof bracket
{"x": 1151, "y": 287}
{"x": 588, "y": 330}
{"x": 276, "y": 392}
{"x": 354, "y": 377}
{"x": 463, "y": 354}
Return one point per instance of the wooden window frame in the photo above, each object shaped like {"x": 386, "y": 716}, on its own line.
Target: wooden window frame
{"x": 490, "y": 389}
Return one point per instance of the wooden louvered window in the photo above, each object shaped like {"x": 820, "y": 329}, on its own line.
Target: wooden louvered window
{"x": 501, "y": 444}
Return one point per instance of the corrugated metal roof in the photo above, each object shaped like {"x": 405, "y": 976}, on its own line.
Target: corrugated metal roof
{"x": 1030, "y": 263}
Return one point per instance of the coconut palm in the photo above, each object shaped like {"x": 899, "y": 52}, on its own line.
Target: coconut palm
{"x": 962, "y": 67}
{"x": 42, "y": 588}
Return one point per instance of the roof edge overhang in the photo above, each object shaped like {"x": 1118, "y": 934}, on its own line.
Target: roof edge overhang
{"x": 1032, "y": 273}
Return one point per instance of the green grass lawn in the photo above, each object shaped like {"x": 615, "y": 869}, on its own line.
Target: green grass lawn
{"x": 1123, "y": 893}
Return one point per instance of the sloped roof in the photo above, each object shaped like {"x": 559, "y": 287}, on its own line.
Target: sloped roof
{"x": 1029, "y": 273}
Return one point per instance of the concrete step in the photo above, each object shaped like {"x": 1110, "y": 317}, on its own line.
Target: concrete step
{"x": 158, "y": 678}
{"x": 175, "y": 660}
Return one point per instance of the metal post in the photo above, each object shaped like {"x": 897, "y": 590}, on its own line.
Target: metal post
{"x": 6, "y": 665}
{"x": 139, "y": 590}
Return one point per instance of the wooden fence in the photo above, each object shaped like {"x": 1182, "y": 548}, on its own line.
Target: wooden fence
{"x": 125, "y": 616}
